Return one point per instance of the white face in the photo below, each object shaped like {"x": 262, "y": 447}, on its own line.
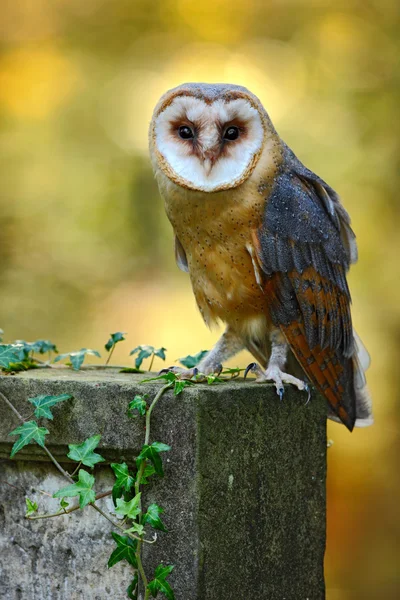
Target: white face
{"x": 209, "y": 146}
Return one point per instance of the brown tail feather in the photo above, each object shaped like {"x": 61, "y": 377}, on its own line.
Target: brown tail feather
{"x": 330, "y": 372}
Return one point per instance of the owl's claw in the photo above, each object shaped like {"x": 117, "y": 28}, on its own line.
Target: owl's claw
{"x": 255, "y": 368}
{"x": 167, "y": 370}
{"x": 274, "y": 374}
{"x": 308, "y": 390}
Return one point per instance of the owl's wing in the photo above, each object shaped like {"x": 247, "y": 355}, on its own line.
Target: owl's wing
{"x": 305, "y": 246}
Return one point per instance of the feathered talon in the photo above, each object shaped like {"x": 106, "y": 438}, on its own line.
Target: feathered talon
{"x": 255, "y": 368}
{"x": 307, "y": 389}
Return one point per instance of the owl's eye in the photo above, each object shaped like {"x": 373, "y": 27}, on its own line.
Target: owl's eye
{"x": 232, "y": 133}
{"x": 185, "y": 132}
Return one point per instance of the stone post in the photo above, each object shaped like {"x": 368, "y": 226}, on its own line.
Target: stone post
{"x": 243, "y": 492}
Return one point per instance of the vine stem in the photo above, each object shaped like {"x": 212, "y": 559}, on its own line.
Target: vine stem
{"x": 12, "y": 407}
{"x": 138, "y": 482}
{"x": 151, "y": 362}
{"x": 110, "y": 354}
{"x": 21, "y": 418}
{"x": 68, "y": 510}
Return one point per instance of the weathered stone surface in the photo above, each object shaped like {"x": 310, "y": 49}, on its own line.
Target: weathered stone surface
{"x": 244, "y": 490}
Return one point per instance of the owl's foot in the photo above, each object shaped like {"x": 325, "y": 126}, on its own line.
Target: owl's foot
{"x": 194, "y": 372}
{"x": 273, "y": 373}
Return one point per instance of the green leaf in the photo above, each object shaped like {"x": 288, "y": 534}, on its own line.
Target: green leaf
{"x": 44, "y": 346}
{"x": 152, "y": 517}
{"x": 84, "y": 452}
{"x": 214, "y": 379}
{"x": 159, "y": 583}
{"x": 136, "y": 528}
{"x": 160, "y": 352}
{"x": 152, "y": 453}
{"x": 143, "y": 352}
{"x": 31, "y": 507}
{"x": 42, "y": 404}
{"x": 125, "y": 550}
{"x": 82, "y": 488}
{"x": 39, "y": 346}
{"x": 232, "y": 371}
{"x": 63, "y": 503}
{"x": 148, "y": 472}
{"x": 180, "y": 385}
{"x": 114, "y": 339}
{"x": 191, "y": 361}
{"x": 132, "y": 589}
{"x": 10, "y": 353}
{"x": 129, "y": 509}
{"x": 139, "y": 404}
{"x": 77, "y": 357}
{"x": 170, "y": 377}
{"x": 124, "y": 481}
{"x": 29, "y": 431}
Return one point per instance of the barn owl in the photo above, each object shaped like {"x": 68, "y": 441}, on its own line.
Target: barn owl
{"x": 266, "y": 243}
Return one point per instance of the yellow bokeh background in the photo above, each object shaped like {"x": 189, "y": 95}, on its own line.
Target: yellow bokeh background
{"x": 86, "y": 249}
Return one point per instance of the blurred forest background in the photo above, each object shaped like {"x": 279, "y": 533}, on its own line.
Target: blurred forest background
{"x": 86, "y": 249}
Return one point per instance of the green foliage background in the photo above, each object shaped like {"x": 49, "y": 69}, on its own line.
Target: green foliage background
{"x": 86, "y": 248}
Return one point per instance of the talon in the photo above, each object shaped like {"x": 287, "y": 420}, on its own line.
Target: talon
{"x": 195, "y": 371}
{"x": 164, "y": 370}
{"x": 249, "y": 367}
{"x": 281, "y": 391}
{"x": 307, "y": 389}
{"x": 218, "y": 370}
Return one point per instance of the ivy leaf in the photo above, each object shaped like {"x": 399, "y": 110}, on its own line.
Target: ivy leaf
{"x": 160, "y": 352}
{"x": 152, "y": 453}
{"x": 136, "y": 528}
{"x": 125, "y": 550}
{"x": 132, "y": 589}
{"x": 29, "y": 431}
{"x": 180, "y": 385}
{"x": 159, "y": 583}
{"x": 43, "y": 346}
{"x": 82, "y": 488}
{"x": 39, "y": 346}
{"x": 114, "y": 339}
{"x": 129, "y": 509}
{"x": 148, "y": 472}
{"x": 152, "y": 517}
{"x": 142, "y": 353}
{"x": 232, "y": 371}
{"x": 191, "y": 361}
{"x": 31, "y": 507}
{"x": 42, "y": 404}
{"x": 84, "y": 452}
{"x": 170, "y": 377}
{"x": 139, "y": 404}
{"x": 214, "y": 379}
{"x": 77, "y": 357}
{"x": 124, "y": 481}
{"x": 63, "y": 503}
{"x": 10, "y": 353}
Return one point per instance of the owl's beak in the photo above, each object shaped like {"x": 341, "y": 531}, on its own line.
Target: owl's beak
{"x": 209, "y": 158}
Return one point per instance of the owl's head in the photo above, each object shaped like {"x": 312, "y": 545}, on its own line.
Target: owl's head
{"x": 208, "y": 137}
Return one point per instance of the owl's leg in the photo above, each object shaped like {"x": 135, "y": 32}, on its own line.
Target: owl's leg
{"x": 274, "y": 371}
{"x": 227, "y": 346}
